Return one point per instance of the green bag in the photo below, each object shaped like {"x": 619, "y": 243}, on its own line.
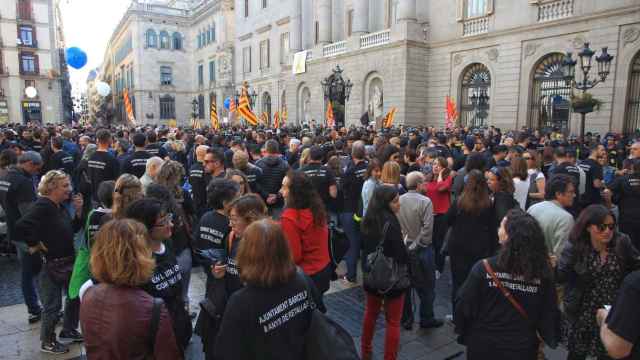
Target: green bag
{"x": 81, "y": 272}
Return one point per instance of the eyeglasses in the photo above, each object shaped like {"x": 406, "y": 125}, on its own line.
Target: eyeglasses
{"x": 164, "y": 221}
{"x": 603, "y": 227}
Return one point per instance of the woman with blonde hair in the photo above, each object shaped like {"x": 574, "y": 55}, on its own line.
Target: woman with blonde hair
{"x": 128, "y": 189}
{"x": 240, "y": 179}
{"x": 250, "y": 327}
{"x": 116, "y": 314}
{"x": 304, "y": 157}
{"x": 391, "y": 176}
{"x": 47, "y": 228}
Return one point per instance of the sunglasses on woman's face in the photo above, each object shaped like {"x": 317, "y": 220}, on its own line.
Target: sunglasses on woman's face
{"x": 603, "y": 227}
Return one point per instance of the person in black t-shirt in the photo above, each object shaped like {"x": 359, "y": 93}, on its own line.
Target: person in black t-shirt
{"x": 154, "y": 148}
{"x": 199, "y": 178}
{"x": 488, "y": 323}
{"x": 620, "y": 332}
{"x": 60, "y": 160}
{"x": 269, "y": 318}
{"x": 565, "y": 164}
{"x": 102, "y": 166}
{"x": 136, "y": 164}
{"x": 594, "y": 176}
{"x": 321, "y": 176}
{"x": 166, "y": 281}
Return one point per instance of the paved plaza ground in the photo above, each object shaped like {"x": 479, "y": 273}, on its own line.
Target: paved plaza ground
{"x": 19, "y": 340}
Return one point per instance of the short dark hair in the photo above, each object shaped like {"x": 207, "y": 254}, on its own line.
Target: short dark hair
{"x": 103, "y": 136}
{"x": 146, "y": 211}
{"x": 558, "y": 183}
{"x": 139, "y": 139}
{"x": 105, "y": 193}
{"x": 220, "y": 191}
{"x": 57, "y": 142}
{"x": 217, "y": 154}
{"x": 316, "y": 153}
{"x": 272, "y": 147}
{"x": 8, "y": 157}
{"x": 151, "y": 136}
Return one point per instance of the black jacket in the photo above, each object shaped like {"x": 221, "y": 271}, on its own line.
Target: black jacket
{"x": 572, "y": 270}
{"x": 503, "y": 202}
{"x": 626, "y": 193}
{"x": 16, "y": 188}
{"x": 199, "y": 180}
{"x": 393, "y": 246}
{"x": 50, "y": 224}
{"x": 274, "y": 169}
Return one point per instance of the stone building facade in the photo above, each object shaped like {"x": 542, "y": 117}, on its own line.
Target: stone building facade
{"x": 404, "y": 54}
{"x": 32, "y": 55}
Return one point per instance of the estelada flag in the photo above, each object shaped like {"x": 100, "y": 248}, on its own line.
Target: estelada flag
{"x": 388, "y": 119}
{"x": 331, "y": 120}
{"x": 245, "y": 111}
{"x": 215, "y": 122}
{"x": 452, "y": 112}
{"x": 276, "y": 120}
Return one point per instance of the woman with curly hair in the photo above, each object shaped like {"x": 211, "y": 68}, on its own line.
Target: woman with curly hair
{"x": 128, "y": 189}
{"x": 493, "y": 327}
{"x": 304, "y": 222}
{"x": 591, "y": 267}
{"x": 473, "y": 228}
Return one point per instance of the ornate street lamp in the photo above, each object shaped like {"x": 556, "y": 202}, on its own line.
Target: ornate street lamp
{"x": 194, "y": 109}
{"x": 335, "y": 88}
{"x": 585, "y": 57}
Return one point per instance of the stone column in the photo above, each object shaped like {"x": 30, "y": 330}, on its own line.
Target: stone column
{"x": 324, "y": 19}
{"x": 308, "y": 26}
{"x": 407, "y": 11}
{"x": 360, "y": 25}
{"x": 296, "y": 26}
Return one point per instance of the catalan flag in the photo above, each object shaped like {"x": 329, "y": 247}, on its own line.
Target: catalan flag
{"x": 195, "y": 123}
{"x": 245, "y": 111}
{"x": 127, "y": 106}
{"x": 285, "y": 115}
{"x": 452, "y": 112}
{"x": 215, "y": 122}
{"x": 264, "y": 118}
{"x": 276, "y": 120}
{"x": 331, "y": 120}
{"x": 388, "y": 119}
{"x": 232, "y": 106}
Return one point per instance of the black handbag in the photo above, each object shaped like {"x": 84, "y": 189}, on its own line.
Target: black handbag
{"x": 385, "y": 273}
{"x": 338, "y": 243}
{"x": 59, "y": 270}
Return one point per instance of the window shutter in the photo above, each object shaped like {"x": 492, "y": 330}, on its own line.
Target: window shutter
{"x": 36, "y": 64}
{"x": 34, "y": 37}
{"x": 268, "y": 54}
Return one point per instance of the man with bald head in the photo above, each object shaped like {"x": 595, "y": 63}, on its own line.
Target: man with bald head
{"x": 416, "y": 220}
{"x": 199, "y": 178}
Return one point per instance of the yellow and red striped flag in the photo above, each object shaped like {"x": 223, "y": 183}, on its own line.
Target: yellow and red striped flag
{"x": 245, "y": 111}
{"x": 285, "y": 115}
{"x": 331, "y": 120}
{"x": 264, "y": 118}
{"x": 127, "y": 106}
{"x": 215, "y": 122}
{"x": 232, "y": 105}
{"x": 276, "y": 120}
{"x": 452, "y": 112}
{"x": 195, "y": 124}
{"x": 388, "y": 119}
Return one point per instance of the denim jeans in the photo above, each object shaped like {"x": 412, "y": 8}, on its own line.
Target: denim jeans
{"x": 426, "y": 290}
{"x": 185, "y": 262}
{"x": 352, "y": 231}
{"x": 29, "y": 267}
{"x": 52, "y": 294}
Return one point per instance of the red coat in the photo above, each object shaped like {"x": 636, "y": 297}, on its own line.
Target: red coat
{"x": 309, "y": 243}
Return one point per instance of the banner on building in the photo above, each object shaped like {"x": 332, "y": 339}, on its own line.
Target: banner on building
{"x": 4, "y": 112}
{"x": 300, "y": 62}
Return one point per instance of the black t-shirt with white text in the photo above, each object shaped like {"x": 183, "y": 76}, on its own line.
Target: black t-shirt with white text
{"x": 593, "y": 171}
{"x": 102, "y": 166}
{"x": 210, "y": 233}
{"x": 624, "y": 317}
{"x": 322, "y": 178}
{"x": 62, "y": 161}
{"x": 156, "y": 149}
{"x": 136, "y": 164}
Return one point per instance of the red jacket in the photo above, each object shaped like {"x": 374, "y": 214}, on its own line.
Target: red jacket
{"x": 309, "y": 243}
{"x": 116, "y": 324}
{"x": 440, "y": 194}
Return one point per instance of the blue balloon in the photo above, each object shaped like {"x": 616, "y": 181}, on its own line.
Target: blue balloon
{"x": 227, "y": 103}
{"x": 76, "y": 58}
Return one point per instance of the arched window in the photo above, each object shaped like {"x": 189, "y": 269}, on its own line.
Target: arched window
{"x": 474, "y": 95}
{"x": 164, "y": 40}
{"x": 550, "y": 97}
{"x": 632, "y": 113}
{"x": 266, "y": 107}
{"x": 177, "y": 41}
{"x": 152, "y": 39}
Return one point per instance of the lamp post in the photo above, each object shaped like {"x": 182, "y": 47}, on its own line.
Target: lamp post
{"x": 335, "y": 88}
{"x": 194, "y": 109}
{"x": 585, "y": 56}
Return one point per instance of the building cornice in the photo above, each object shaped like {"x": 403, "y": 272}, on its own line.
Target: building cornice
{"x": 245, "y": 37}
{"x": 262, "y": 29}
{"x": 627, "y": 10}
{"x": 283, "y": 21}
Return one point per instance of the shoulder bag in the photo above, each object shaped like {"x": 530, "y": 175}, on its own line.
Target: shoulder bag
{"x": 81, "y": 273}
{"x": 338, "y": 243}
{"x": 385, "y": 273}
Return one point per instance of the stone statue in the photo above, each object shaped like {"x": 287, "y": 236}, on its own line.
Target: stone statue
{"x": 306, "y": 107}
{"x": 376, "y": 103}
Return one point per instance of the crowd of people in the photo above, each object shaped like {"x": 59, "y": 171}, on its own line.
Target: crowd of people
{"x": 541, "y": 234}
